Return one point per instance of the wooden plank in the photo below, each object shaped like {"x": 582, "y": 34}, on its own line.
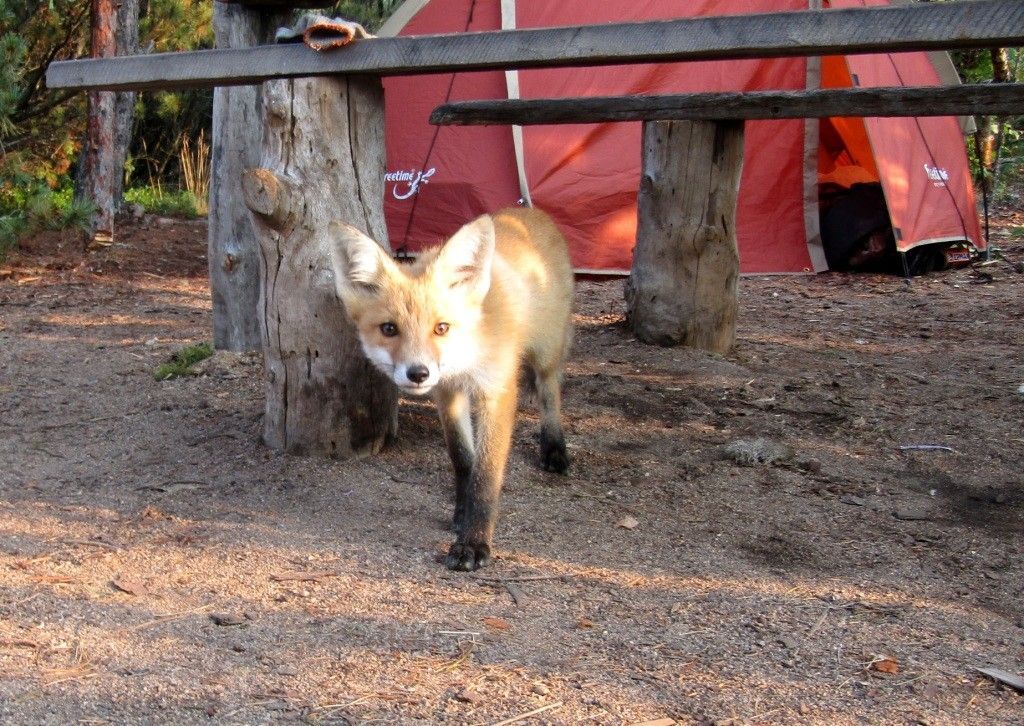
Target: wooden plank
{"x": 932, "y": 26}
{"x": 994, "y": 99}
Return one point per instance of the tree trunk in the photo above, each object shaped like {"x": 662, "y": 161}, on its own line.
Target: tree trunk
{"x": 682, "y": 288}
{"x": 99, "y": 169}
{"x": 237, "y": 130}
{"x": 323, "y": 160}
{"x": 127, "y": 43}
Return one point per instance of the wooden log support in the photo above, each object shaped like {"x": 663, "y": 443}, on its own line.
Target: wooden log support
{"x": 323, "y": 159}
{"x": 930, "y": 26}
{"x": 993, "y": 99}
{"x": 682, "y": 287}
{"x": 100, "y": 172}
{"x": 233, "y": 256}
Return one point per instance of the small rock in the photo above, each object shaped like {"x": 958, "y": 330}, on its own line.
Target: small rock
{"x": 540, "y": 689}
{"x": 287, "y": 670}
{"x": 628, "y": 522}
{"x": 803, "y": 709}
{"x": 467, "y": 695}
{"x": 811, "y": 465}
{"x": 852, "y": 500}
{"x": 238, "y": 647}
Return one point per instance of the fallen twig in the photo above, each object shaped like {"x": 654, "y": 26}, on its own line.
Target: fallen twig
{"x": 91, "y": 543}
{"x": 927, "y": 447}
{"x": 304, "y": 576}
{"x": 160, "y": 619}
{"x": 19, "y": 644}
{"x": 517, "y": 578}
{"x": 528, "y": 714}
{"x": 1004, "y": 678}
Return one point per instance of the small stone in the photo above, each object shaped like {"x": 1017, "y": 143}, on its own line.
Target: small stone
{"x": 540, "y": 689}
{"x": 467, "y": 695}
{"x": 812, "y": 465}
{"x": 803, "y": 709}
{"x": 852, "y": 500}
{"x": 287, "y": 670}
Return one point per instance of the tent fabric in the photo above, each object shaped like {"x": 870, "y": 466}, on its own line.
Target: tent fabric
{"x": 587, "y": 176}
{"x": 922, "y": 162}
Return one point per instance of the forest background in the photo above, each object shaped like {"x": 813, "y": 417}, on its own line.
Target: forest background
{"x": 166, "y": 133}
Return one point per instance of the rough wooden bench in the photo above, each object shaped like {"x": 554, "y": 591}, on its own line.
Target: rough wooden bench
{"x": 682, "y": 283}
{"x": 322, "y": 158}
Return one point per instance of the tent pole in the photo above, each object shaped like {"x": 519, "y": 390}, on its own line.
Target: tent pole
{"x": 906, "y": 267}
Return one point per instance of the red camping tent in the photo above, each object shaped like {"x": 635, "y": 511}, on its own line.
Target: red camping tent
{"x": 587, "y": 176}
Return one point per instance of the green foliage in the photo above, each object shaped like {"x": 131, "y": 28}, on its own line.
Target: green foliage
{"x": 173, "y": 203}
{"x": 181, "y": 363}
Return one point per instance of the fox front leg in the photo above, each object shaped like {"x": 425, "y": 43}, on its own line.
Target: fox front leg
{"x": 495, "y": 420}
{"x": 453, "y": 406}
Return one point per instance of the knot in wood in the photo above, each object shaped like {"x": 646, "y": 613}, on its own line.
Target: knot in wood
{"x": 712, "y": 235}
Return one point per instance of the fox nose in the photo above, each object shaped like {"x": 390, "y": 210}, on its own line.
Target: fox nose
{"x": 417, "y": 373}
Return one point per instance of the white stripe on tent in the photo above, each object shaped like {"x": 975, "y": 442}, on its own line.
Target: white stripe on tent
{"x": 508, "y": 22}
{"x": 401, "y": 17}
{"x": 812, "y": 140}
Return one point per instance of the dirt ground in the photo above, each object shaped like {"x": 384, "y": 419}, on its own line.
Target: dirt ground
{"x": 158, "y": 564}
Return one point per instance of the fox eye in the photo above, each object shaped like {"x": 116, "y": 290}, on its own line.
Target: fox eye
{"x": 441, "y": 328}
{"x": 388, "y": 329}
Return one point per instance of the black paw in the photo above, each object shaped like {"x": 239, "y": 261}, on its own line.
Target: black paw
{"x": 553, "y": 456}
{"x": 466, "y": 557}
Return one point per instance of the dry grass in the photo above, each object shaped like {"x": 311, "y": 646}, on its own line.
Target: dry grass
{"x": 195, "y": 170}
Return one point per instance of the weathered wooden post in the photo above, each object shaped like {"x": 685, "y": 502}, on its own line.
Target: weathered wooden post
{"x": 323, "y": 160}
{"x": 99, "y": 172}
{"x": 233, "y": 256}
{"x": 682, "y": 287}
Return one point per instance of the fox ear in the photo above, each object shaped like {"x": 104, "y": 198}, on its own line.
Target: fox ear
{"x": 358, "y": 262}
{"x": 467, "y": 257}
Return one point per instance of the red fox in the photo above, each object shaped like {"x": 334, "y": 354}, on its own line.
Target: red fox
{"x": 459, "y": 324}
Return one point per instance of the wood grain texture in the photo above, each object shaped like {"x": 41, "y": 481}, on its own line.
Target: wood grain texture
{"x": 323, "y": 160}
{"x": 236, "y": 145}
{"x": 682, "y": 286}
{"x": 1001, "y": 99}
{"x": 100, "y": 174}
{"x": 932, "y": 26}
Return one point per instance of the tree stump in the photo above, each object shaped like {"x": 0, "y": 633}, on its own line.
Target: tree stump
{"x": 323, "y": 160}
{"x": 232, "y": 256}
{"x": 682, "y": 286}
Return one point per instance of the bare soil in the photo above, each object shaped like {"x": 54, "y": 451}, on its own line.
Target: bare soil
{"x": 158, "y": 564}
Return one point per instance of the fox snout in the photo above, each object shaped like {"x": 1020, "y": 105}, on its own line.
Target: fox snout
{"x": 416, "y": 378}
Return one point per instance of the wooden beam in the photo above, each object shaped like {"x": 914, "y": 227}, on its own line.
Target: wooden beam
{"x": 1002, "y": 99}
{"x": 932, "y": 26}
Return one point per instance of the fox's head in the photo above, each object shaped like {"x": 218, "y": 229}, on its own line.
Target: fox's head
{"x": 417, "y": 324}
